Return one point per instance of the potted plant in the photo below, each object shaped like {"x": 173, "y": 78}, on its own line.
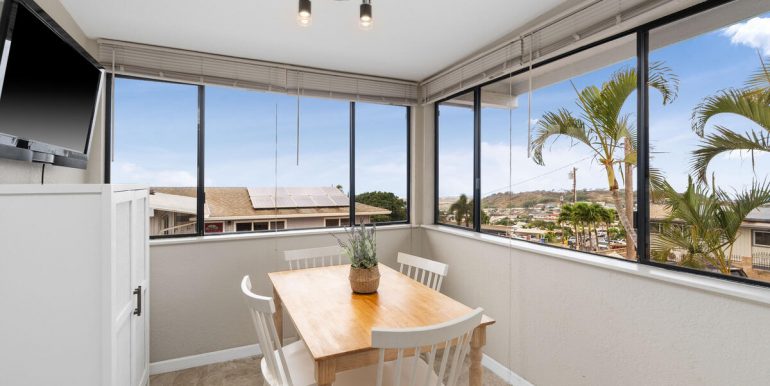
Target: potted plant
{"x": 361, "y": 248}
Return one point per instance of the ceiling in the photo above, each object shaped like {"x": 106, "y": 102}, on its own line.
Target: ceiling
{"x": 411, "y": 39}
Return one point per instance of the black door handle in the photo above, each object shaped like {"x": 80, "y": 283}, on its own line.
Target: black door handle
{"x": 138, "y": 293}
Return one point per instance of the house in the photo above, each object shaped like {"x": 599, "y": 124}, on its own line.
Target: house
{"x": 240, "y": 209}
{"x": 751, "y": 251}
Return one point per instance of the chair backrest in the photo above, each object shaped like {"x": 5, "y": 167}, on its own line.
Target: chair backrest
{"x": 453, "y": 336}
{"x": 314, "y": 257}
{"x": 261, "y": 309}
{"x": 428, "y": 272}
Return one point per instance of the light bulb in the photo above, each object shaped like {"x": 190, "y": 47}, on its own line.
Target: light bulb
{"x": 304, "y": 16}
{"x": 366, "y": 15}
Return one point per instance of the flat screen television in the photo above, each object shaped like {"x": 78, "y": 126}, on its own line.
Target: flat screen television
{"x": 49, "y": 89}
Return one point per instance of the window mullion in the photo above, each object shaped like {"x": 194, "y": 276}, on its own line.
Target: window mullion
{"x": 643, "y": 147}
{"x": 201, "y": 195}
{"x": 477, "y": 159}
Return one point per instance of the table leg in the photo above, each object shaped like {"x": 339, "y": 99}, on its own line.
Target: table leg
{"x": 478, "y": 340}
{"x": 278, "y": 316}
{"x": 325, "y": 372}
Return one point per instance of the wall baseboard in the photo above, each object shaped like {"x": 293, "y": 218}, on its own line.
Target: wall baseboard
{"x": 204, "y": 359}
{"x": 503, "y": 372}
{"x": 234, "y": 353}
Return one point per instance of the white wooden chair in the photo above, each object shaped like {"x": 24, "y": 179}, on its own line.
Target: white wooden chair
{"x": 281, "y": 366}
{"x": 314, "y": 257}
{"x": 428, "y": 272}
{"x": 453, "y": 336}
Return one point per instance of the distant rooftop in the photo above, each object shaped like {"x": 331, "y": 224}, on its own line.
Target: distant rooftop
{"x": 233, "y": 203}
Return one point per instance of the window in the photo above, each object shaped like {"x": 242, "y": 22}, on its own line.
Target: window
{"x": 155, "y": 144}
{"x": 455, "y": 149}
{"x": 337, "y": 222}
{"x": 262, "y": 160}
{"x": 604, "y": 178}
{"x": 382, "y": 137}
{"x": 540, "y": 180}
{"x": 762, "y": 239}
{"x": 699, "y": 143}
{"x": 255, "y": 226}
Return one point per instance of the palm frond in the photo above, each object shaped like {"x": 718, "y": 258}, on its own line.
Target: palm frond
{"x": 556, "y": 124}
{"x": 752, "y": 106}
{"x": 663, "y": 79}
{"x": 759, "y": 81}
{"x": 737, "y": 208}
{"x": 724, "y": 141}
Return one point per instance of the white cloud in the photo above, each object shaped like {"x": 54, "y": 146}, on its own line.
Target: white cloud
{"x": 754, "y": 33}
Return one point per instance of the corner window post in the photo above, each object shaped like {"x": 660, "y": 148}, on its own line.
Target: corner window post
{"x": 643, "y": 148}
{"x": 352, "y": 190}
{"x": 477, "y": 159}
{"x": 200, "y": 218}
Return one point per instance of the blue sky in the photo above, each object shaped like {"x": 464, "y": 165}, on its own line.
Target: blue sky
{"x": 156, "y": 130}
{"x": 705, "y": 64}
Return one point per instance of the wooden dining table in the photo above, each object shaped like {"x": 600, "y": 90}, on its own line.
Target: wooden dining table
{"x": 336, "y": 324}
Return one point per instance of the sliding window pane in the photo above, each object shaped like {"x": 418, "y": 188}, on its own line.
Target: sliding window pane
{"x": 257, "y": 174}
{"x": 381, "y": 163}
{"x": 708, "y": 148}
{"x": 568, "y": 189}
{"x": 156, "y": 144}
{"x": 315, "y": 172}
{"x": 455, "y": 161}
{"x": 241, "y": 157}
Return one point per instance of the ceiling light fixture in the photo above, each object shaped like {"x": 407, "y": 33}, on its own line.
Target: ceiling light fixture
{"x": 366, "y": 15}
{"x": 304, "y": 16}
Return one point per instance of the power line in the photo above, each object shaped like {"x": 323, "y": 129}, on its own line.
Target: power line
{"x": 538, "y": 176}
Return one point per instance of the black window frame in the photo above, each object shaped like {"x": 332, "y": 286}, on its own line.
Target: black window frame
{"x": 642, "y": 215}
{"x": 201, "y": 164}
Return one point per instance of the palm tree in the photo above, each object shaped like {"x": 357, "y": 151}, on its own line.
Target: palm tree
{"x": 462, "y": 210}
{"x": 609, "y": 134}
{"x": 567, "y": 215}
{"x": 751, "y": 102}
{"x": 703, "y": 223}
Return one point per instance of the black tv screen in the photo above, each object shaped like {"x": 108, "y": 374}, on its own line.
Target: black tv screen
{"x": 50, "y": 87}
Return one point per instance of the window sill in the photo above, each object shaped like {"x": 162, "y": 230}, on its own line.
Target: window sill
{"x": 264, "y": 235}
{"x": 722, "y": 287}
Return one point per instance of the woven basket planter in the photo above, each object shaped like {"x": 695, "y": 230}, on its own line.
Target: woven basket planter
{"x": 364, "y": 280}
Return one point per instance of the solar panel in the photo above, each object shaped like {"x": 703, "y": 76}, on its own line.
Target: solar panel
{"x": 297, "y": 197}
{"x": 322, "y": 200}
{"x": 303, "y": 201}
{"x": 341, "y": 200}
{"x": 262, "y": 202}
{"x": 286, "y": 202}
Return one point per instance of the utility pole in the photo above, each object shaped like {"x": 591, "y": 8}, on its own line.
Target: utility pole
{"x": 573, "y": 177}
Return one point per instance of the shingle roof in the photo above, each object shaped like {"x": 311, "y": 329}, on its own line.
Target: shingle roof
{"x": 234, "y": 202}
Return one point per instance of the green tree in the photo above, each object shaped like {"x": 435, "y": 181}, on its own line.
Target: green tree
{"x": 385, "y": 200}
{"x": 751, "y": 102}
{"x": 703, "y": 223}
{"x": 462, "y": 209}
{"x": 609, "y": 133}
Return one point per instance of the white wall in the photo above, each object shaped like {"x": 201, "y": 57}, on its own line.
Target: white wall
{"x": 196, "y": 305}
{"x": 562, "y": 322}
{"x": 25, "y": 172}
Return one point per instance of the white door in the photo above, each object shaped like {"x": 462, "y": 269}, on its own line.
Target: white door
{"x": 123, "y": 299}
{"x": 139, "y": 283}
